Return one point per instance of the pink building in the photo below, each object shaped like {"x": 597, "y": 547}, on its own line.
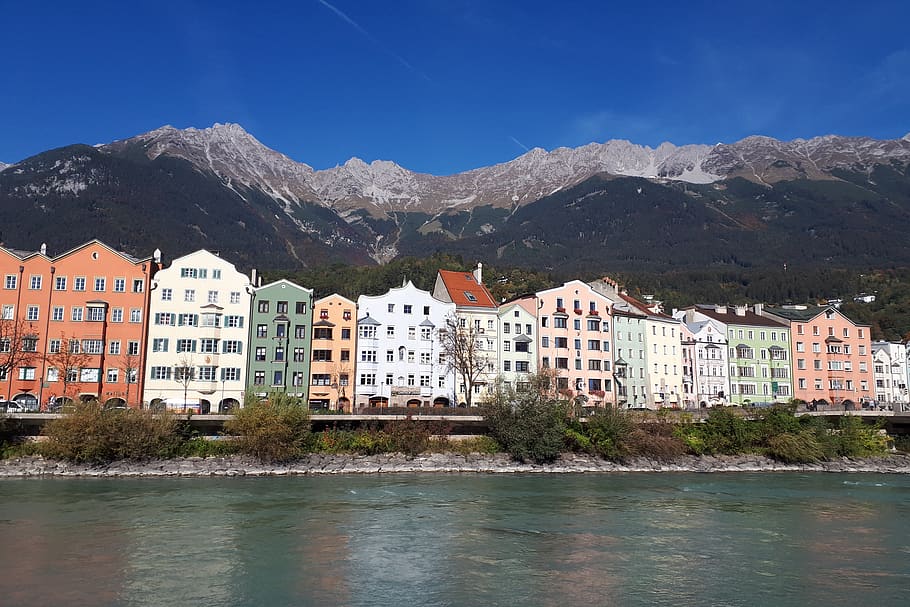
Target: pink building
{"x": 575, "y": 341}
{"x": 832, "y": 355}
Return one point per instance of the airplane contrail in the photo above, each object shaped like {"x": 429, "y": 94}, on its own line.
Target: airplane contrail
{"x": 523, "y": 146}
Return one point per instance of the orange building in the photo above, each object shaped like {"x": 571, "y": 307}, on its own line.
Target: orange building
{"x": 73, "y": 325}
{"x": 832, "y": 355}
{"x": 333, "y": 346}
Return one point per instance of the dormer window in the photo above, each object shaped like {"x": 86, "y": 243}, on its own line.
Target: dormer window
{"x": 470, "y": 296}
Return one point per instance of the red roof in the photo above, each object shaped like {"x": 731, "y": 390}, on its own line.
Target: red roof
{"x": 465, "y": 291}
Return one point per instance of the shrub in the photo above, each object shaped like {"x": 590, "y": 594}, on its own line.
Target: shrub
{"x": 659, "y": 445}
{"x": 273, "y": 430}
{"x": 776, "y": 420}
{"x": 724, "y": 432}
{"x": 466, "y": 446}
{"x": 856, "y": 439}
{"x": 800, "y": 448}
{"x": 90, "y": 434}
{"x": 610, "y": 430}
{"x": 202, "y": 447}
{"x": 528, "y": 425}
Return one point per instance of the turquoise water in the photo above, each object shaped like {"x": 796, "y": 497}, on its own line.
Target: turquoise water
{"x": 414, "y": 540}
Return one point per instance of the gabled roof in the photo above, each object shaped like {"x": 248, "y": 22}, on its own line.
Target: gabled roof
{"x": 749, "y": 318}
{"x": 368, "y": 320}
{"x": 807, "y": 313}
{"x": 464, "y": 290}
{"x": 23, "y": 255}
{"x": 522, "y": 339}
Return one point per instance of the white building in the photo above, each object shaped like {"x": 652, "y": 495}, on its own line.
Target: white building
{"x": 710, "y": 360}
{"x": 199, "y": 319}
{"x": 398, "y": 350}
{"x": 889, "y": 365}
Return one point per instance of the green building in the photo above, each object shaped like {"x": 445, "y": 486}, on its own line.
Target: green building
{"x": 279, "y": 345}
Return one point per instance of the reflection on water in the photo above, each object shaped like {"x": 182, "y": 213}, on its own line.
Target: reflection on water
{"x": 414, "y": 540}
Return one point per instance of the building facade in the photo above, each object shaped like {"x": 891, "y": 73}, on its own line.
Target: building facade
{"x": 334, "y": 344}
{"x": 518, "y": 341}
{"x": 890, "y": 374}
{"x": 710, "y": 360}
{"x": 758, "y": 350}
{"x": 198, "y": 335}
{"x": 830, "y": 353}
{"x": 398, "y": 350}
{"x": 280, "y": 340}
{"x": 478, "y": 316}
{"x": 73, "y": 326}
{"x": 575, "y": 341}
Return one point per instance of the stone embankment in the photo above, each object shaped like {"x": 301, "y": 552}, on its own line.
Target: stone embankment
{"x": 435, "y": 463}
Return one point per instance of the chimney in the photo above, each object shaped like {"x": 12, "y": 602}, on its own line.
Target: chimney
{"x": 759, "y": 308}
{"x": 740, "y": 310}
{"x": 253, "y": 277}
{"x": 720, "y": 309}
{"x": 690, "y": 316}
{"x": 156, "y": 256}
{"x": 478, "y": 273}
{"x": 44, "y": 248}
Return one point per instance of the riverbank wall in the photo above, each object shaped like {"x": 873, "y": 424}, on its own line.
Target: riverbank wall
{"x": 39, "y": 467}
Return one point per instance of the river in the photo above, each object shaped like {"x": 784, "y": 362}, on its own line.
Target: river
{"x": 419, "y": 539}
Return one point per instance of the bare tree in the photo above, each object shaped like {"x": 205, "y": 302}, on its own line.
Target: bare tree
{"x": 18, "y": 345}
{"x": 463, "y": 353}
{"x": 67, "y": 361}
{"x": 130, "y": 363}
{"x": 184, "y": 374}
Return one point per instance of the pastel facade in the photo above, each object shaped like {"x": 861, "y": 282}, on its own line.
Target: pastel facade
{"x": 198, "y": 335}
{"x": 830, "y": 353}
{"x": 629, "y": 329}
{"x": 280, "y": 340}
{"x": 663, "y": 360}
{"x": 710, "y": 360}
{"x": 890, "y": 373}
{"x": 82, "y": 316}
{"x": 398, "y": 350}
{"x": 518, "y": 341}
{"x": 474, "y": 308}
{"x": 575, "y": 341}
{"x": 758, "y": 350}
{"x": 332, "y": 366}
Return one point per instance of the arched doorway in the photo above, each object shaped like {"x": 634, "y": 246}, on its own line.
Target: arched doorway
{"x": 115, "y": 403}
{"x": 228, "y": 405}
{"x": 29, "y": 401}
{"x": 379, "y": 401}
{"x": 344, "y": 404}
{"x": 157, "y": 404}
{"x": 414, "y": 402}
{"x": 205, "y": 407}
{"x": 441, "y": 401}
{"x": 87, "y": 398}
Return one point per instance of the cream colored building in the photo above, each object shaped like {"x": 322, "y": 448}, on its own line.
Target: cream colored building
{"x": 197, "y": 342}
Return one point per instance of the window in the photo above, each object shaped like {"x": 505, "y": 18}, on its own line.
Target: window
{"x": 300, "y": 307}
{"x": 230, "y": 374}
{"x": 96, "y": 313}
{"x": 560, "y": 322}
{"x": 76, "y": 314}
{"x": 322, "y": 355}
{"x": 92, "y": 346}
{"x": 345, "y": 333}
{"x": 53, "y": 346}
{"x": 211, "y": 320}
{"x": 281, "y": 307}
{"x": 408, "y": 308}
{"x": 213, "y": 297}
{"x": 425, "y": 358}
{"x": 390, "y": 331}
{"x": 207, "y": 373}
{"x": 161, "y": 373}
{"x": 188, "y": 273}
{"x": 29, "y": 344}
{"x": 326, "y": 333}
{"x": 113, "y": 347}
{"x": 277, "y": 378}
{"x": 235, "y": 297}
{"x": 366, "y": 331}
{"x": 159, "y": 344}
{"x": 79, "y": 283}
{"x": 260, "y": 354}
{"x": 322, "y": 379}
{"x": 187, "y": 320}
{"x": 367, "y": 379}
{"x": 208, "y": 345}
{"x": 189, "y": 295}
{"x": 186, "y": 345}
{"x": 100, "y": 284}
{"x": 412, "y": 332}
{"x": 138, "y": 285}
{"x": 119, "y": 285}
{"x": 60, "y": 283}
{"x": 117, "y": 315}
{"x": 263, "y": 306}
{"x": 425, "y": 333}
{"x": 299, "y": 355}
{"x": 259, "y": 378}
{"x": 507, "y": 346}
{"x": 231, "y": 346}
{"x": 279, "y": 353}
{"x": 167, "y": 294}
{"x": 165, "y": 318}
{"x": 31, "y": 313}
{"x": 216, "y": 274}
{"x": 426, "y": 310}
{"x": 233, "y": 322}
{"x": 9, "y": 312}
{"x": 35, "y": 283}
{"x": 11, "y": 281}
{"x": 521, "y": 366}
{"x": 506, "y": 365}
{"x": 113, "y": 376}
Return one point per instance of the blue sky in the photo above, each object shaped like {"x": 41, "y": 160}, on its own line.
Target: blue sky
{"x": 445, "y": 86}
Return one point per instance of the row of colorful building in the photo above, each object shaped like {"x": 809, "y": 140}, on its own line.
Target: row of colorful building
{"x": 97, "y": 323}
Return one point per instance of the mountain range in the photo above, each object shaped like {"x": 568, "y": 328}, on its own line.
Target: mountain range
{"x": 759, "y": 201}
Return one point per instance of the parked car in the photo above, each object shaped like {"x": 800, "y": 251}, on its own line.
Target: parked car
{"x": 14, "y": 407}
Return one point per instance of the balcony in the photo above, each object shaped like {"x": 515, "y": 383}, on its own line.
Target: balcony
{"x": 579, "y": 311}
